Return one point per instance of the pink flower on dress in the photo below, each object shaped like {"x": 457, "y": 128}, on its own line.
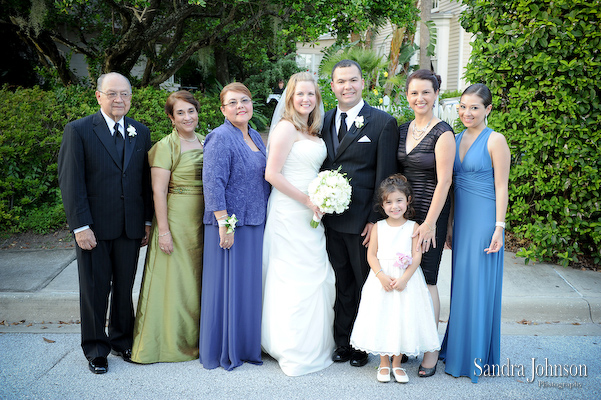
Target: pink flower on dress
{"x": 402, "y": 261}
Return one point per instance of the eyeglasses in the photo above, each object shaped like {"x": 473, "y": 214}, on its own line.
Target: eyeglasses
{"x": 113, "y": 95}
{"x": 234, "y": 103}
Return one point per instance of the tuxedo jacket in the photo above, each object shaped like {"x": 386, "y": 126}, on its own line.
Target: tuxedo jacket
{"x": 367, "y": 155}
{"x": 98, "y": 190}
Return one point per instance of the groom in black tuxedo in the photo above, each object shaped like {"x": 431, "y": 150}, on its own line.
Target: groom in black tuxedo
{"x": 363, "y": 141}
{"x": 104, "y": 178}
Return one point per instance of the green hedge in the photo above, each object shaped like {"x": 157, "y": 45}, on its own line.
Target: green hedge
{"x": 30, "y": 136}
{"x": 542, "y": 60}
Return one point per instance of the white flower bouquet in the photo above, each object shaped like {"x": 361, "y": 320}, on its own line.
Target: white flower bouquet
{"x": 331, "y": 192}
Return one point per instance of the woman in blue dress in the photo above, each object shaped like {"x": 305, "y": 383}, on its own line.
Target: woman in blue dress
{"x": 480, "y": 178}
{"x": 234, "y": 185}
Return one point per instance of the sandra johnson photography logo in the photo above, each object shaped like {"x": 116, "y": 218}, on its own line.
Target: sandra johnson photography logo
{"x": 531, "y": 371}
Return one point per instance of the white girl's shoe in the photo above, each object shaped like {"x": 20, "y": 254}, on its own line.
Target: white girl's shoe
{"x": 383, "y": 377}
{"x": 400, "y": 375}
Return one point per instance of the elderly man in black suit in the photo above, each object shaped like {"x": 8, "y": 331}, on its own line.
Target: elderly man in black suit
{"x": 363, "y": 141}
{"x": 104, "y": 178}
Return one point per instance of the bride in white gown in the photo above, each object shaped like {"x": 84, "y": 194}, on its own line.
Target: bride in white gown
{"x": 298, "y": 280}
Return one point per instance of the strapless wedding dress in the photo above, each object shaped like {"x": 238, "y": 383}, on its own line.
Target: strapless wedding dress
{"x": 298, "y": 279}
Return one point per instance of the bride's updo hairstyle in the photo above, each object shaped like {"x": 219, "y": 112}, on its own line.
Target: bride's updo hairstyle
{"x": 394, "y": 183}
{"x": 313, "y": 126}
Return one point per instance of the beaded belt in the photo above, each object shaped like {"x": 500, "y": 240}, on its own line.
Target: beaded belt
{"x": 186, "y": 190}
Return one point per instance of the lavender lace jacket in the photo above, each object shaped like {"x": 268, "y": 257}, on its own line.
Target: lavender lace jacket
{"x": 234, "y": 176}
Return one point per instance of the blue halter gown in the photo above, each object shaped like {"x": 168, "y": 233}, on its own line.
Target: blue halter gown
{"x": 473, "y": 333}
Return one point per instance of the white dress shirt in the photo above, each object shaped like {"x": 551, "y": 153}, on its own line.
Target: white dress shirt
{"x": 111, "y": 124}
{"x": 351, "y": 115}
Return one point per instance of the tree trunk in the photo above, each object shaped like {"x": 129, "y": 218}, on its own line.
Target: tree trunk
{"x": 222, "y": 66}
{"x": 395, "y": 48}
{"x": 424, "y": 34}
{"x": 47, "y": 51}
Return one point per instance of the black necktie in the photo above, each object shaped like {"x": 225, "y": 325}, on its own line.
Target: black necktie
{"x": 342, "y": 130}
{"x": 119, "y": 142}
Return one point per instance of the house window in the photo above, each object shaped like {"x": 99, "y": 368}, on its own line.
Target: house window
{"x": 434, "y": 5}
{"x": 309, "y": 62}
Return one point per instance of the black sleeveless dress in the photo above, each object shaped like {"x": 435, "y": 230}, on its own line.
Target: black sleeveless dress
{"x": 419, "y": 166}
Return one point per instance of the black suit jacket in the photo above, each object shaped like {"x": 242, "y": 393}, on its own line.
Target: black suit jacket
{"x": 367, "y": 155}
{"x": 97, "y": 189}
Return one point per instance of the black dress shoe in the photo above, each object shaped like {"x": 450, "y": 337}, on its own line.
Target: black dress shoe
{"x": 99, "y": 365}
{"x": 358, "y": 358}
{"x": 125, "y": 354}
{"x": 342, "y": 354}
{"x": 426, "y": 372}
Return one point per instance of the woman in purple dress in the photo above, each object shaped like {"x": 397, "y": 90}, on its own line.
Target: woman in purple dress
{"x": 234, "y": 184}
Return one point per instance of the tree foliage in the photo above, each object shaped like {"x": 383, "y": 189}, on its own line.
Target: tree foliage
{"x": 542, "y": 61}
{"x": 114, "y": 35}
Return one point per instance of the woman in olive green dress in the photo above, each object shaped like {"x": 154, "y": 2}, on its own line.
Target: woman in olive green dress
{"x": 167, "y": 320}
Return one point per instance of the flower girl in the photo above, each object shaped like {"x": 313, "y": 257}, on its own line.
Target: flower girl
{"x": 395, "y": 316}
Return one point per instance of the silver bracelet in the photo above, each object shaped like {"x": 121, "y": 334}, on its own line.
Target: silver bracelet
{"x": 165, "y": 234}
{"x": 431, "y": 229}
{"x": 501, "y": 224}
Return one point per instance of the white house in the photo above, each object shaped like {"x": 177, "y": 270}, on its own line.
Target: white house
{"x": 452, "y": 48}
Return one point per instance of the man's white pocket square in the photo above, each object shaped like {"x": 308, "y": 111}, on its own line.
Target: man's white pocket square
{"x": 364, "y": 139}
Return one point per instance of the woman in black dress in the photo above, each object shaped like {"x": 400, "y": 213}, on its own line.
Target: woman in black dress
{"x": 426, "y": 155}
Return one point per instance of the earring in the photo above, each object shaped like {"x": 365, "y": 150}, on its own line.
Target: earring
{"x": 486, "y": 120}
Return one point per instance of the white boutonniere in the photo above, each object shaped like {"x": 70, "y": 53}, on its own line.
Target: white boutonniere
{"x": 131, "y": 131}
{"x": 359, "y": 122}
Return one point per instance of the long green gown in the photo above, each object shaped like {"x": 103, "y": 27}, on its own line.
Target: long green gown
{"x": 167, "y": 320}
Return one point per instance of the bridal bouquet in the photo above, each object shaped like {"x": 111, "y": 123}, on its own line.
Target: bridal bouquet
{"x": 331, "y": 192}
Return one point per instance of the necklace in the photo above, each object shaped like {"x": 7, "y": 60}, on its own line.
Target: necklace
{"x": 420, "y": 132}
{"x": 188, "y": 140}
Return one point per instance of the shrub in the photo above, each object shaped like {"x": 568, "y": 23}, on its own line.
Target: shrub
{"x": 542, "y": 62}
{"x": 30, "y": 138}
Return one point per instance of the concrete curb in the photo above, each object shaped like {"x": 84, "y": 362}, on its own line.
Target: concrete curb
{"x": 541, "y": 293}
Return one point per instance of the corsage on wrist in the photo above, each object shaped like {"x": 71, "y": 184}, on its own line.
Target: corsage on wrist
{"x": 229, "y": 223}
